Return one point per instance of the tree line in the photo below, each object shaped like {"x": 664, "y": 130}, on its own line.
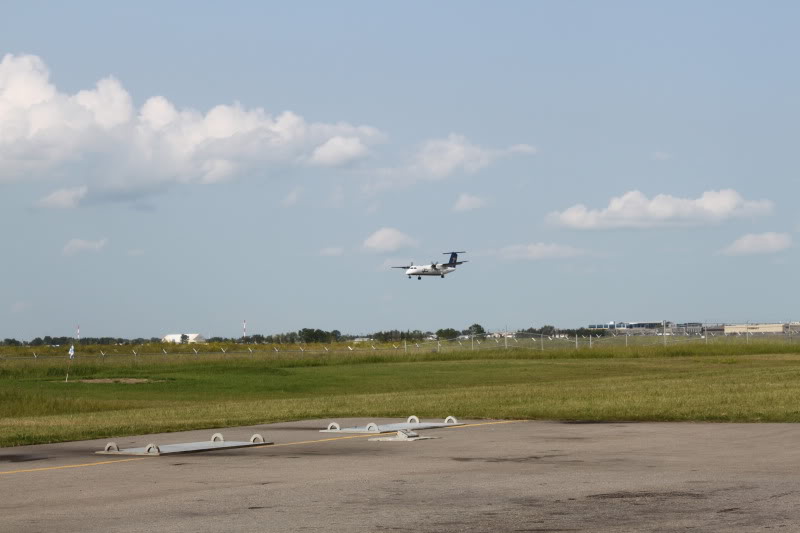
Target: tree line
{"x": 309, "y": 335}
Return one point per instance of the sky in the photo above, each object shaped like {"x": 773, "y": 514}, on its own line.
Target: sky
{"x": 182, "y": 167}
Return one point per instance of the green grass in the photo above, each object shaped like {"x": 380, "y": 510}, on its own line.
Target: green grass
{"x": 690, "y": 381}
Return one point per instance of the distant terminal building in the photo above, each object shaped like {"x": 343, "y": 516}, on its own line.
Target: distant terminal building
{"x": 633, "y": 326}
{"x": 738, "y": 329}
{"x": 191, "y": 338}
{"x": 688, "y": 328}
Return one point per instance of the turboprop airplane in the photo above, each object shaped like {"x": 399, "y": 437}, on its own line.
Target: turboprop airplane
{"x": 434, "y": 269}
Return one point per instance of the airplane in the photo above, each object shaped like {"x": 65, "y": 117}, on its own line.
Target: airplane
{"x": 434, "y": 269}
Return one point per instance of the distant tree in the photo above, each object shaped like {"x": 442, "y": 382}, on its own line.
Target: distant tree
{"x": 476, "y": 329}
{"x": 184, "y": 338}
{"x": 447, "y": 333}
{"x": 37, "y": 342}
{"x": 12, "y": 342}
{"x": 547, "y": 330}
{"x": 313, "y": 335}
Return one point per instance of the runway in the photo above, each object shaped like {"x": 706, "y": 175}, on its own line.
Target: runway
{"x": 485, "y": 476}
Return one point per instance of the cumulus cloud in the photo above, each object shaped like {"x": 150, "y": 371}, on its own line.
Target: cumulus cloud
{"x": 388, "y": 240}
{"x": 332, "y": 251}
{"x": 75, "y": 246}
{"x": 468, "y": 202}
{"x": 635, "y": 210}
{"x": 339, "y": 151}
{"x": 64, "y": 198}
{"x": 44, "y": 131}
{"x": 439, "y": 158}
{"x": 537, "y": 251}
{"x": 759, "y": 243}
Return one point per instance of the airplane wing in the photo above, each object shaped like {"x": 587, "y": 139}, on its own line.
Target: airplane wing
{"x": 406, "y": 267}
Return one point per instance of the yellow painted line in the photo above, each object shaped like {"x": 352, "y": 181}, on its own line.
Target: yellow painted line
{"x": 485, "y": 424}
{"x": 70, "y": 466}
{"x": 359, "y": 436}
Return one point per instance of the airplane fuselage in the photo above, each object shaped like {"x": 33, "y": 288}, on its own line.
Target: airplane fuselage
{"x": 428, "y": 270}
{"x": 433, "y": 268}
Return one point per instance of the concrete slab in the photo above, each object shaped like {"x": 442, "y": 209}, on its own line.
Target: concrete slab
{"x": 183, "y": 447}
{"x": 483, "y": 476}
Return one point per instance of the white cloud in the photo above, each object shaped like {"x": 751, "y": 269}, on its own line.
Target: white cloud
{"x": 64, "y": 198}
{"x": 75, "y": 246}
{"x": 635, "y": 210}
{"x": 332, "y": 251}
{"x": 439, "y": 158}
{"x": 45, "y": 131}
{"x": 759, "y": 243}
{"x": 388, "y": 240}
{"x": 467, "y": 202}
{"x": 292, "y": 197}
{"x": 339, "y": 151}
{"x": 538, "y": 250}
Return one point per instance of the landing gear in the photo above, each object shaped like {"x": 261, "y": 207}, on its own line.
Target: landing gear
{"x": 442, "y": 276}
{"x": 409, "y": 277}
{"x": 419, "y": 277}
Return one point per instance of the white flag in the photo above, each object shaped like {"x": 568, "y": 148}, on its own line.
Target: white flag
{"x": 72, "y": 352}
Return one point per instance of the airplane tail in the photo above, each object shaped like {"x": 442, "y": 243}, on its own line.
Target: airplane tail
{"x": 454, "y": 258}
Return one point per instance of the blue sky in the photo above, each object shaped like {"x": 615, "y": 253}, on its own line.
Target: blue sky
{"x": 177, "y": 167}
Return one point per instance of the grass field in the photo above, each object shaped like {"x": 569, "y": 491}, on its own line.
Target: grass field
{"x": 693, "y": 381}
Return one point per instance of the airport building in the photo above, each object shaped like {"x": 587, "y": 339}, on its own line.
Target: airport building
{"x": 688, "y": 328}
{"x": 176, "y": 338}
{"x": 739, "y": 329}
{"x": 633, "y": 327}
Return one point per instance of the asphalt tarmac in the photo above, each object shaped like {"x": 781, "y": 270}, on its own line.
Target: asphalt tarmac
{"x": 486, "y": 476}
